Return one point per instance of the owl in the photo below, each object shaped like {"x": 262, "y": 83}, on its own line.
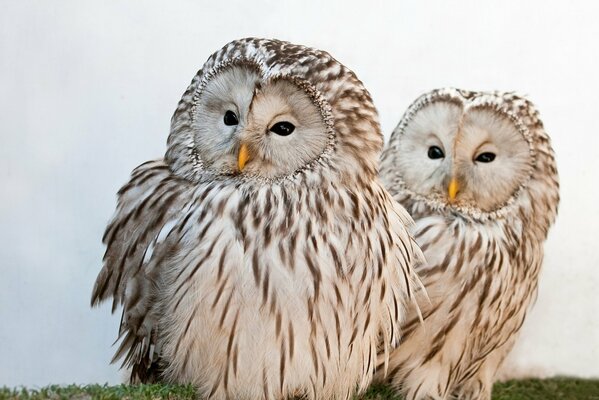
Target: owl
{"x": 477, "y": 173}
{"x": 262, "y": 257}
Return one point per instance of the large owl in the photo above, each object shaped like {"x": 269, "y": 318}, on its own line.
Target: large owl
{"x": 262, "y": 257}
{"x": 477, "y": 173}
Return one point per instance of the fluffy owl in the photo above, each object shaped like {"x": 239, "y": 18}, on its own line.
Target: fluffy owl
{"x": 478, "y": 175}
{"x": 262, "y": 257}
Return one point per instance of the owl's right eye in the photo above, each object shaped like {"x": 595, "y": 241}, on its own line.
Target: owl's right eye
{"x": 230, "y": 118}
{"x": 435, "y": 153}
{"x": 283, "y": 128}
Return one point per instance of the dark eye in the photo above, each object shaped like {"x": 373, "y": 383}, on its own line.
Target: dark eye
{"x": 230, "y": 118}
{"x": 283, "y": 128}
{"x": 434, "y": 153}
{"x": 485, "y": 157}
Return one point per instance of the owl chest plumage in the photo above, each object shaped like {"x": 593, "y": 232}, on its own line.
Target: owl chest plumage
{"x": 480, "y": 278}
{"x": 489, "y": 268}
{"x": 269, "y": 285}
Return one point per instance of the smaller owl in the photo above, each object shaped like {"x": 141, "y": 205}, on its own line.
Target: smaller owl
{"x": 477, "y": 173}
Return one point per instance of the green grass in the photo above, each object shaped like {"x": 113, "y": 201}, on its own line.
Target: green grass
{"x": 557, "y": 388}
{"x": 531, "y": 389}
{"x": 101, "y": 392}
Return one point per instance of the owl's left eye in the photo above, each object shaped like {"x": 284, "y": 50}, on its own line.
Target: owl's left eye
{"x": 283, "y": 128}
{"x": 485, "y": 157}
{"x": 230, "y": 118}
{"x": 435, "y": 153}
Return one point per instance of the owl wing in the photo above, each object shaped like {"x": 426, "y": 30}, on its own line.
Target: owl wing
{"x": 405, "y": 257}
{"x": 137, "y": 243}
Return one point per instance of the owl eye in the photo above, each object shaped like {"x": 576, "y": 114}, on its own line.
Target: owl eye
{"x": 485, "y": 157}
{"x": 230, "y": 118}
{"x": 434, "y": 153}
{"x": 283, "y": 128}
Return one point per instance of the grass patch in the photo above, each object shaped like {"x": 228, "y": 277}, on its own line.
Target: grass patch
{"x": 530, "y": 389}
{"x": 101, "y": 392}
{"x": 550, "y": 389}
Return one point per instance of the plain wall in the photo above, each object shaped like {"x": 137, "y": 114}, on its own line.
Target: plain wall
{"x": 87, "y": 90}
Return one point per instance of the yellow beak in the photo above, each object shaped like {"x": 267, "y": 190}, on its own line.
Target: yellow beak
{"x": 243, "y": 156}
{"x": 453, "y": 188}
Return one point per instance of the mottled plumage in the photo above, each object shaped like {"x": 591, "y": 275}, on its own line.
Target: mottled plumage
{"x": 483, "y": 201}
{"x": 261, "y": 265}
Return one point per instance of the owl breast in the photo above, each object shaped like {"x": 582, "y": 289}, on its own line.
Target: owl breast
{"x": 242, "y": 307}
{"x": 480, "y": 279}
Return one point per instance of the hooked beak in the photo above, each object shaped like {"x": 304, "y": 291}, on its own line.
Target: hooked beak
{"x": 453, "y": 188}
{"x": 243, "y": 156}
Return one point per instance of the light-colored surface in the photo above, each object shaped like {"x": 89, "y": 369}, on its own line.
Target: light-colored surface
{"x": 87, "y": 92}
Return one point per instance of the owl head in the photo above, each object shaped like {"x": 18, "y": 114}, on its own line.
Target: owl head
{"x": 266, "y": 110}
{"x": 467, "y": 152}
